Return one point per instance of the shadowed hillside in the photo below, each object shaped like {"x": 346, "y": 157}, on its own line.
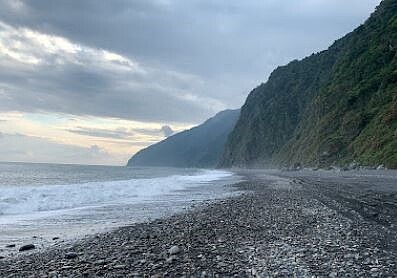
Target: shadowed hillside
{"x": 201, "y": 146}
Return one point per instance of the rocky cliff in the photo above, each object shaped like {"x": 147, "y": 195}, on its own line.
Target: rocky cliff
{"x": 334, "y": 107}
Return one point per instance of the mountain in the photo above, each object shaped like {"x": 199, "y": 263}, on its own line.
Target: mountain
{"x": 201, "y": 146}
{"x": 334, "y": 107}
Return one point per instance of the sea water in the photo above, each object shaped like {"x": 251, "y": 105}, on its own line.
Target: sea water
{"x": 39, "y": 202}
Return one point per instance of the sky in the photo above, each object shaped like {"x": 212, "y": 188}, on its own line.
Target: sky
{"x": 95, "y": 81}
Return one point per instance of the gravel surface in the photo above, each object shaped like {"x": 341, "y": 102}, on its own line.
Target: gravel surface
{"x": 300, "y": 226}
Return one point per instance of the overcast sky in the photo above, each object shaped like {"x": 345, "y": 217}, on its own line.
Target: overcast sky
{"x": 94, "y": 81}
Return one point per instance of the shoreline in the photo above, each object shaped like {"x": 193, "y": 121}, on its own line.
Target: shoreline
{"x": 276, "y": 228}
{"x": 71, "y": 224}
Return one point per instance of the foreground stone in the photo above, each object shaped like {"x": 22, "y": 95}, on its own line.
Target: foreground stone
{"x": 174, "y": 250}
{"x": 71, "y": 255}
{"x": 27, "y": 247}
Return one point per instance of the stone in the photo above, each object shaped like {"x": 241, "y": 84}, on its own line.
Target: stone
{"x": 27, "y": 247}
{"x": 353, "y": 166}
{"x": 171, "y": 259}
{"x": 381, "y": 167}
{"x": 174, "y": 250}
{"x": 71, "y": 255}
{"x": 119, "y": 266}
{"x": 10, "y": 246}
{"x": 66, "y": 267}
{"x": 100, "y": 262}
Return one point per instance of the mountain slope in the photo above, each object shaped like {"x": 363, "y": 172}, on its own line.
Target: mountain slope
{"x": 333, "y": 107}
{"x": 200, "y": 146}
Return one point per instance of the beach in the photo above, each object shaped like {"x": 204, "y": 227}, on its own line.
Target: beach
{"x": 48, "y": 204}
{"x": 284, "y": 224}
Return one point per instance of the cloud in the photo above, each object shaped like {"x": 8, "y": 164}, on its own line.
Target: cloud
{"x": 163, "y": 131}
{"x": 168, "y": 61}
{"x": 119, "y": 133}
{"x": 41, "y": 72}
{"x": 167, "y": 130}
{"x": 20, "y": 147}
{"x": 123, "y": 133}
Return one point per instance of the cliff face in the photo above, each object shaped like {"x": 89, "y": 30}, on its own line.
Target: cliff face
{"x": 333, "y": 107}
{"x": 201, "y": 146}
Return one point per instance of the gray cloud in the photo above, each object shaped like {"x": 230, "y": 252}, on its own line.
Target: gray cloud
{"x": 184, "y": 59}
{"x": 130, "y": 143}
{"x": 164, "y": 131}
{"x": 120, "y": 133}
{"x": 19, "y": 147}
{"x": 167, "y": 130}
{"x": 56, "y": 75}
{"x": 124, "y": 133}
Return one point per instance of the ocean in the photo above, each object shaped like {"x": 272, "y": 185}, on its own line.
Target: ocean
{"x": 40, "y": 202}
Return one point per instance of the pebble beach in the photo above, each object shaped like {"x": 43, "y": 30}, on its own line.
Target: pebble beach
{"x": 293, "y": 226}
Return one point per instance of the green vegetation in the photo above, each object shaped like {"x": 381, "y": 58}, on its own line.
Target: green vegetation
{"x": 334, "y": 107}
{"x": 201, "y": 146}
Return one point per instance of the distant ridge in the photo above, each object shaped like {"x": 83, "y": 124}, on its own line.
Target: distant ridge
{"x": 332, "y": 108}
{"x": 201, "y": 146}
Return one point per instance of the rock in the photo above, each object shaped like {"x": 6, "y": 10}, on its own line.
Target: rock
{"x": 373, "y": 214}
{"x": 10, "y": 246}
{"x": 55, "y": 238}
{"x": 333, "y": 274}
{"x": 27, "y": 247}
{"x": 171, "y": 259}
{"x": 2, "y": 257}
{"x": 71, "y": 255}
{"x": 66, "y": 267}
{"x": 297, "y": 166}
{"x": 53, "y": 274}
{"x": 353, "y": 166}
{"x": 119, "y": 266}
{"x": 335, "y": 168}
{"x": 174, "y": 250}
{"x": 381, "y": 167}
{"x": 100, "y": 262}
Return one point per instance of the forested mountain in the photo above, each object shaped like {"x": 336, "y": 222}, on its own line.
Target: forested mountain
{"x": 201, "y": 146}
{"x": 333, "y": 107}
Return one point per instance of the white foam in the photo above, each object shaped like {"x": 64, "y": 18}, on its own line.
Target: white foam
{"x": 23, "y": 200}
